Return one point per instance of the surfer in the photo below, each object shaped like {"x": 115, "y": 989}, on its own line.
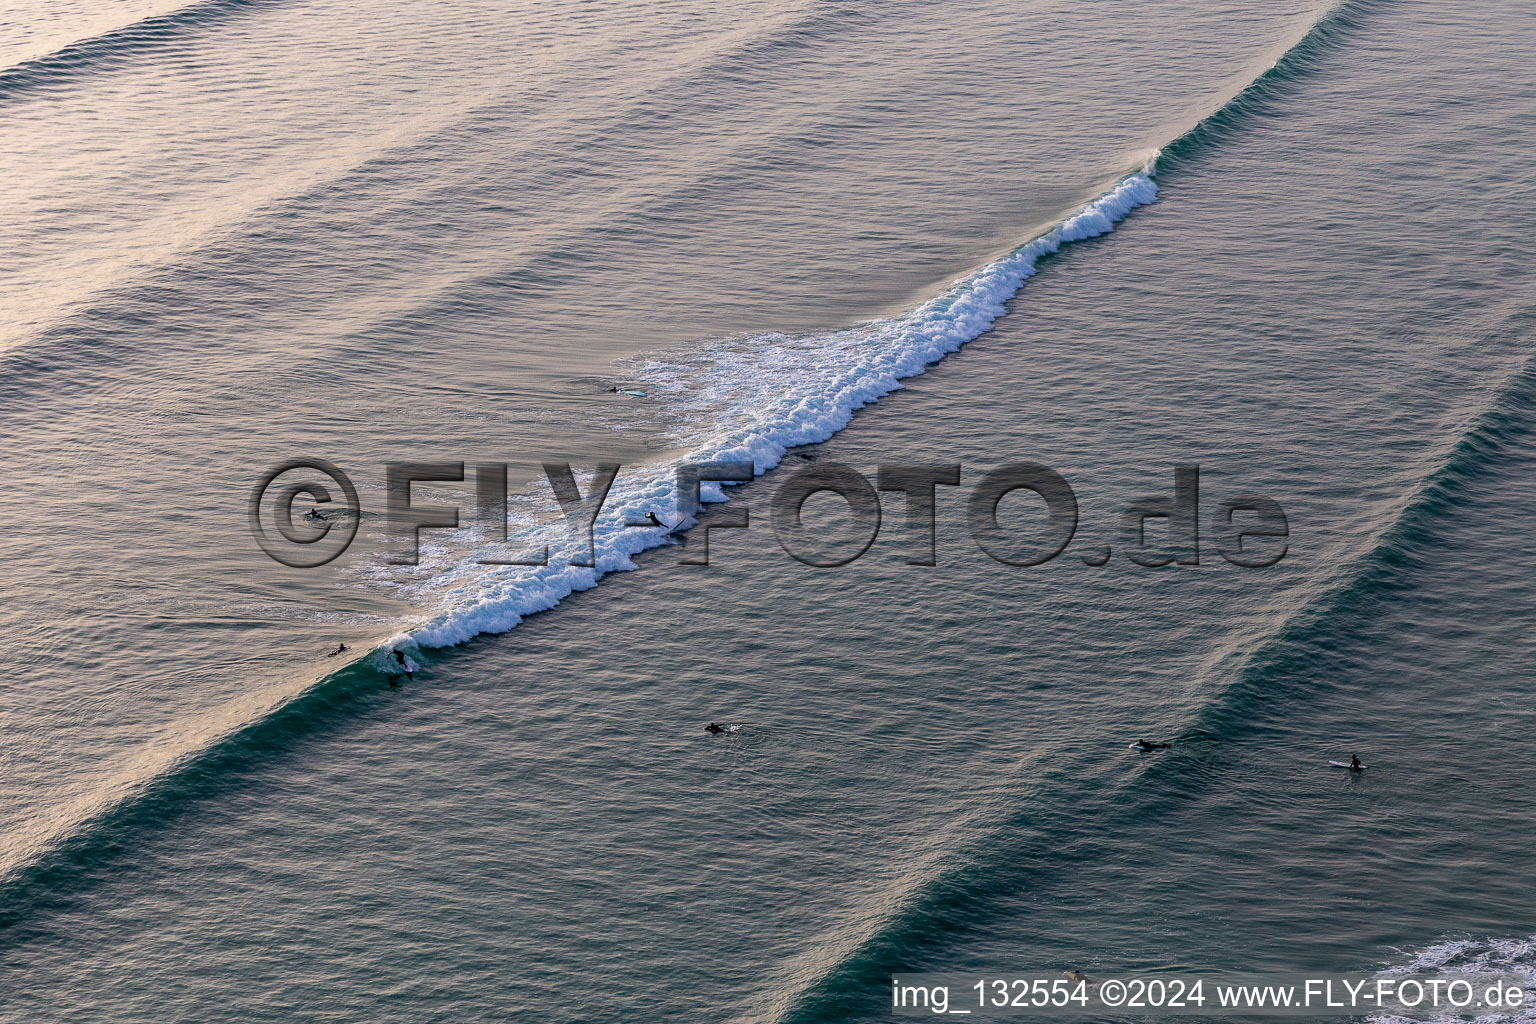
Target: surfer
{"x": 1144, "y": 745}
{"x": 1078, "y": 976}
{"x": 613, "y": 390}
{"x": 713, "y": 729}
{"x": 340, "y": 649}
{"x": 1354, "y": 763}
{"x": 648, "y": 522}
{"x": 405, "y": 666}
{"x": 314, "y": 516}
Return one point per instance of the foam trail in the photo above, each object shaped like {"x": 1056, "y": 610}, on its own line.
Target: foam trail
{"x": 756, "y": 416}
{"x": 818, "y": 384}
{"x": 811, "y": 401}
{"x": 1472, "y": 956}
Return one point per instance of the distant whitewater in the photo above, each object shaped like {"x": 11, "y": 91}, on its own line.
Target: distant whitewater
{"x": 1473, "y": 956}
{"x": 769, "y": 395}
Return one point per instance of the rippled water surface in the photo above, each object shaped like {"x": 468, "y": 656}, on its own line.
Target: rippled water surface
{"x": 1287, "y": 243}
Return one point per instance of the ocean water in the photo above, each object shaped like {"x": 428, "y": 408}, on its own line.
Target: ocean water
{"x": 1285, "y": 242}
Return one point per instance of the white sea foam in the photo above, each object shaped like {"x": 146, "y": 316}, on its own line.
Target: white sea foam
{"x": 1515, "y": 957}
{"x": 750, "y": 400}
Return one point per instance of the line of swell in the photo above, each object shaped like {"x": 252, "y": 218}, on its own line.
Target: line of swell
{"x": 67, "y": 860}
{"x": 1303, "y": 58}
{"x": 65, "y": 863}
{"x": 117, "y": 46}
{"x": 90, "y": 335}
{"x": 941, "y": 326}
{"x": 954, "y": 892}
{"x": 957, "y": 893}
{"x": 1275, "y": 670}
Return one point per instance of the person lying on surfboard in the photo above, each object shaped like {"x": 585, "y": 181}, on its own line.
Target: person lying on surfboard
{"x": 1144, "y": 745}
{"x": 713, "y": 729}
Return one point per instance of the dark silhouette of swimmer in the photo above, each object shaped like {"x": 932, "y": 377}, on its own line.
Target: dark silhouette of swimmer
{"x": 713, "y": 729}
{"x": 1144, "y": 745}
{"x": 1077, "y": 976}
{"x": 1354, "y": 763}
{"x": 649, "y": 521}
{"x": 400, "y": 657}
{"x": 613, "y": 389}
{"x": 314, "y": 513}
{"x": 340, "y": 649}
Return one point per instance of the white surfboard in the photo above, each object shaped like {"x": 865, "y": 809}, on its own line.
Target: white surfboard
{"x": 1346, "y": 764}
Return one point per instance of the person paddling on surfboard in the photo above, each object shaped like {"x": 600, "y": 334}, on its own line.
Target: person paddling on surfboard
{"x": 314, "y": 516}
{"x": 340, "y": 649}
{"x": 713, "y": 729}
{"x": 1144, "y": 745}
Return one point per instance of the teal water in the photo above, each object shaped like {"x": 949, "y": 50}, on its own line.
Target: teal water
{"x": 1328, "y": 302}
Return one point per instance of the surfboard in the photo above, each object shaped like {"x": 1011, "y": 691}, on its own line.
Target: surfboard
{"x": 1346, "y": 764}
{"x": 636, "y": 394}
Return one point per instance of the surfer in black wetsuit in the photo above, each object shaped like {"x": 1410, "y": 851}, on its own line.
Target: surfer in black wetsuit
{"x": 1077, "y": 976}
{"x": 649, "y": 521}
{"x": 314, "y": 516}
{"x": 340, "y": 649}
{"x": 713, "y": 729}
{"x": 1354, "y": 763}
{"x": 1144, "y": 745}
{"x": 404, "y": 667}
{"x": 613, "y": 390}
